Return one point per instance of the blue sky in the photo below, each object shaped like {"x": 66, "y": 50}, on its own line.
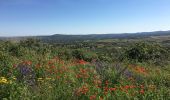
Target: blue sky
{"x": 45, "y": 17}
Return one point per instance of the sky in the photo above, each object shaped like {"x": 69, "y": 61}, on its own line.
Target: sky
{"x": 47, "y": 17}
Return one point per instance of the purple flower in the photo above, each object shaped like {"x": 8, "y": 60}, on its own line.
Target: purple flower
{"x": 26, "y": 74}
{"x": 128, "y": 73}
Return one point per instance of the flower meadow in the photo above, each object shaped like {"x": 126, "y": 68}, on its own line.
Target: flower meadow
{"x": 47, "y": 76}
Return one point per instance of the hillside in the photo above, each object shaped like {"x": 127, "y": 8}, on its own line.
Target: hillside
{"x": 73, "y": 38}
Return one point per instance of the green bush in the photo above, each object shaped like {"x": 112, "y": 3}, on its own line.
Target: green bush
{"x": 30, "y": 43}
{"x": 144, "y": 52}
{"x": 85, "y": 55}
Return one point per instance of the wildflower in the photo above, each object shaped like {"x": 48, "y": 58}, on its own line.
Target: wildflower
{"x": 78, "y": 76}
{"x": 14, "y": 78}
{"x": 141, "y": 70}
{"x": 142, "y": 91}
{"x": 106, "y": 89}
{"x": 132, "y": 86}
{"x": 112, "y": 89}
{"x": 52, "y": 67}
{"x": 141, "y": 86}
{"x": 50, "y": 62}
{"x": 99, "y": 86}
{"x": 82, "y": 62}
{"x": 3, "y": 80}
{"x": 106, "y": 82}
{"x": 97, "y": 82}
{"x": 27, "y": 62}
{"x": 14, "y": 65}
{"x": 48, "y": 78}
{"x": 131, "y": 79}
{"x": 62, "y": 62}
{"x": 83, "y": 70}
{"x": 40, "y": 79}
{"x": 37, "y": 66}
{"x": 82, "y": 90}
{"x": 100, "y": 98}
{"x": 152, "y": 87}
{"x": 92, "y": 97}
{"x": 126, "y": 87}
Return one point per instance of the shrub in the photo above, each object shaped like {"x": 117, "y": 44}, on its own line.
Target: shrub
{"x": 144, "y": 52}
{"x": 30, "y": 43}
{"x": 85, "y": 55}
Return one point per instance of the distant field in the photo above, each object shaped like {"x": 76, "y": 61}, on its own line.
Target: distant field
{"x": 162, "y": 38}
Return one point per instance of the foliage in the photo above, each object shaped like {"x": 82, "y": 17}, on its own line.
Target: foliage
{"x": 34, "y": 70}
{"x": 143, "y": 52}
{"x": 84, "y": 54}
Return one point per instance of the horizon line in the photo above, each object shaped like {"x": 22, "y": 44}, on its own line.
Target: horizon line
{"x": 83, "y": 34}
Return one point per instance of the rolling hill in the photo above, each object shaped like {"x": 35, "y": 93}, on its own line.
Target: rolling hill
{"x": 73, "y": 38}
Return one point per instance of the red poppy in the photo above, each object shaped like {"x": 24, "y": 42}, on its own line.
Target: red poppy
{"x": 112, "y": 89}
{"x": 92, "y": 97}
{"x": 82, "y": 62}
{"x": 142, "y": 91}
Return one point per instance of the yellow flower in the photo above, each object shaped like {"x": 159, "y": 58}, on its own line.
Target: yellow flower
{"x": 4, "y": 80}
{"x": 48, "y": 78}
{"x": 152, "y": 87}
{"x": 40, "y": 79}
{"x": 14, "y": 78}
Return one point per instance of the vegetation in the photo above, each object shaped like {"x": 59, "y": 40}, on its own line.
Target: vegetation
{"x": 104, "y": 69}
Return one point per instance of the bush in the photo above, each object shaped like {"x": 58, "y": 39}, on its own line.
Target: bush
{"x": 16, "y": 50}
{"x": 30, "y": 43}
{"x": 85, "y": 55}
{"x": 144, "y": 52}
{"x": 64, "y": 54}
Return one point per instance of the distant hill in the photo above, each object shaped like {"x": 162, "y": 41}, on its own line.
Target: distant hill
{"x": 73, "y": 38}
